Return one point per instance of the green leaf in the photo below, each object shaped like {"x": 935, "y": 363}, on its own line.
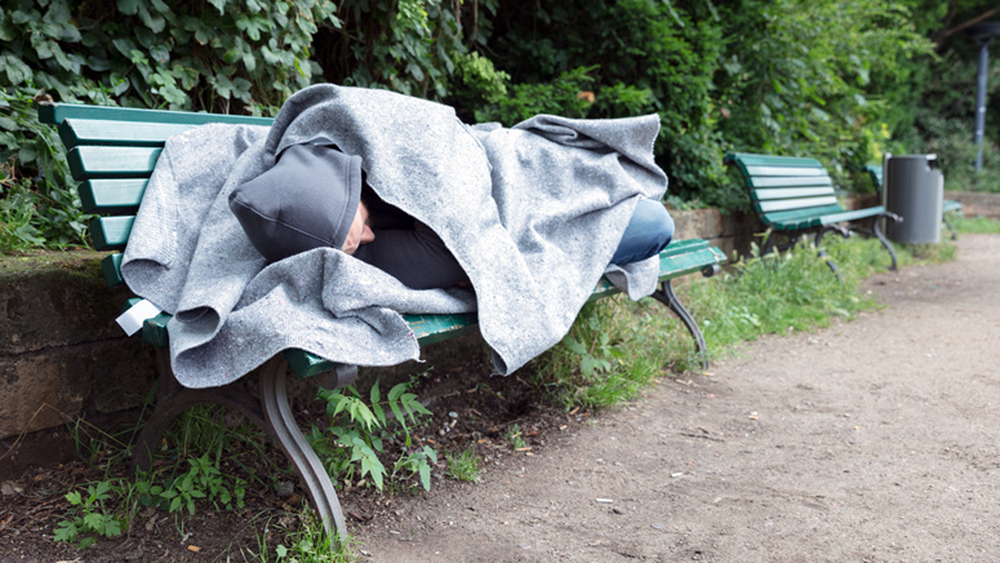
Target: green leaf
{"x": 220, "y": 5}
{"x": 112, "y": 528}
{"x": 233, "y": 55}
{"x": 575, "y": 346}
{"x": 397, "y": 390}
{"x": 94, "y": 522}
{"x": 66, "y": 531}
{"x": 129, "y": 7}
{"x": 425, "y": 476}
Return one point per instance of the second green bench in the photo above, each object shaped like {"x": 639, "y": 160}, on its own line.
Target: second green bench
{"x": 794, "y": 196}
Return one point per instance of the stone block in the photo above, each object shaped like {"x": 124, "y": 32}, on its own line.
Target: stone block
{"x": 51, "y": 387}
{"x": 55, "y": 299}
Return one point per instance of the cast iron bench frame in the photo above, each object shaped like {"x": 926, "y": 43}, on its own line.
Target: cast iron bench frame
{"x": 794, "y": 196}
{"x": 112, "y": 152}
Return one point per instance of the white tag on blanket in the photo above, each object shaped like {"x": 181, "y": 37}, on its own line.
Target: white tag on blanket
{"x": 131, "y": 320}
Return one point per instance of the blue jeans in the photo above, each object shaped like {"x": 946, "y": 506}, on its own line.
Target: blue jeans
{"x": 649, "y": 232}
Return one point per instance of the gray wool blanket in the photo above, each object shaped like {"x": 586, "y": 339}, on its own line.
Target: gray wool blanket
{"x": 533, "y": 213}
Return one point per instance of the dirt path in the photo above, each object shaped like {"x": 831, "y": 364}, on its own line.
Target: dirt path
{"x": 873, "y": 440}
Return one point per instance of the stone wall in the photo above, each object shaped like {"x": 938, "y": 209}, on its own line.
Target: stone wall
{"x": 61, "y": 352}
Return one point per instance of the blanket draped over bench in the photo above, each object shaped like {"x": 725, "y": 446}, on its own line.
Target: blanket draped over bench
{"x": 533, "y": 213}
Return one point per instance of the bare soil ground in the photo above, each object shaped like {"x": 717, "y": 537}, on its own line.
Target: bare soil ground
{"x": 873, "y": 440}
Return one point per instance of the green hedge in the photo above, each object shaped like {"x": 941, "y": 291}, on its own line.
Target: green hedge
{"x": 840, "y": 81}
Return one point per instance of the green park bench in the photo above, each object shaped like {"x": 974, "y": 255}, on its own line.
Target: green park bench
{"x": 794, "y": 197}
{"x": 947, "y": 206}
{"x": 112, "y": 152}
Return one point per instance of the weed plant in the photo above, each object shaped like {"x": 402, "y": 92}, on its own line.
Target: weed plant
{"x": 463, "y": 466}
{"x": 515, "y": 437}
{"x": 355, "y": 445}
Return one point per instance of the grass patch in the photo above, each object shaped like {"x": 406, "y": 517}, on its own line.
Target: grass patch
{"x": 463, "y": 466}
{"x": 970, "y": 225}
{"x": 617, "y": 348}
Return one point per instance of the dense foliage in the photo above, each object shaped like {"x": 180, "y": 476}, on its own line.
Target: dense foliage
{"x": 840, "y": 81}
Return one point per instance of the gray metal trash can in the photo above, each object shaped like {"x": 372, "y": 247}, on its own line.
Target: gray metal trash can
{"x": 914, "y": 190}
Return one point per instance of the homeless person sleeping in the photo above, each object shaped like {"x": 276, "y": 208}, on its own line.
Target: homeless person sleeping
{"x": 357, "y": 206}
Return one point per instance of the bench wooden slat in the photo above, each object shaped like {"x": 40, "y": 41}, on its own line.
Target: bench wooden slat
{"x": 111, "y": 233}
{"x": 111, "y": 266}
{"x": 77, "y": 132}
{"x": 689, "y": 257}
{"x": 814, "y": 204}
{"x": 681, "y": 246}
{"x": 54, "y": 114}
{"x": 686, "y": 257}
{"x": 112, "y": 195}
{"x": 792, "y": 216}
{"x": 799, "y": 219}
{"x": 853, "y": 215}
{"x": 112, "y": 162}
{"x": 764, "y": 182}
{"x": 749, "y": 159}
{"x": 766, "y": 194}
{"x": 753, "y": 171}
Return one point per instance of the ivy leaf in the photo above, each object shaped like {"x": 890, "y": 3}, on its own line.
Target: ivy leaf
{"x": 154, "y": 22}
{"x": 129, "y": 7}
{"x": 220, "y": 5}
{"x": 232, "y": 56}
{"x": 160, "y": 53}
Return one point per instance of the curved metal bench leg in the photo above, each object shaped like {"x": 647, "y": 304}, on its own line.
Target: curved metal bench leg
{"x": 172, "y": 399}
{"x": 287, "y": 435}
{"x": 821, "y": 252}
{"x": 877, "y": 231}
{"x": 667, "y": 296}
{"x": 951, "y": 227}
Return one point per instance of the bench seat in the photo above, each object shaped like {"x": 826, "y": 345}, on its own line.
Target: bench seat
{"x": 112, "y": 152}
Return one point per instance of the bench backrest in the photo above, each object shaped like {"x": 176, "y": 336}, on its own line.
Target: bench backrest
{"x": 875, "y": 173}
{"x": 783, "y": 188}
{"x": 112, "y": 151}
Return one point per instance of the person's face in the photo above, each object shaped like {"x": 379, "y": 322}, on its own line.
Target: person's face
{"x": 360, "y": 233}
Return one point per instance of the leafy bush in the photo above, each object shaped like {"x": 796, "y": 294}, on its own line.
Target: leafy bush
{"x": 39, "y": 205}
{"x": 842, "y": 82}
{"x": 783, "y": 77}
